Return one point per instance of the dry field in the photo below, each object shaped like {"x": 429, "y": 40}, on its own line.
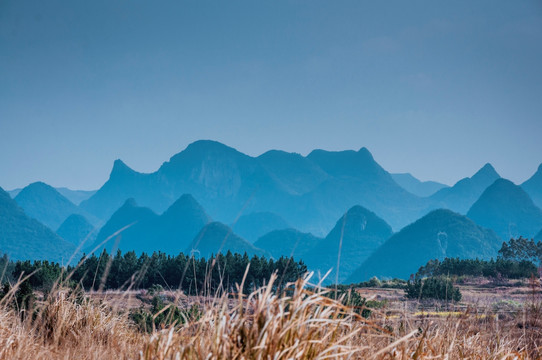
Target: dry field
{"x": 491, "y": 322}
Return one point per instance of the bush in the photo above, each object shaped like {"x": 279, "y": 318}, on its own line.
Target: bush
{"x": 438, "y": 287}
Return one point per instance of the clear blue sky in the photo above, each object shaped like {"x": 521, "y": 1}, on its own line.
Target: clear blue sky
{"x": 435, "y": 88}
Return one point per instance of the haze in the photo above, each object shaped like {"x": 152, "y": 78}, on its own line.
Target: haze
{"x": 432, "y": 88}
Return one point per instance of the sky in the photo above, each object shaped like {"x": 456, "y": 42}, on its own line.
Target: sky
{"x": 434, "y": 88}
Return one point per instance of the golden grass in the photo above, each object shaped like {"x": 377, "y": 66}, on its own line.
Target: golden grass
{"x": 298, "y": 324}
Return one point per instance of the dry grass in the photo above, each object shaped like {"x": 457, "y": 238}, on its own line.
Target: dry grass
{"x": 298, "y": 324}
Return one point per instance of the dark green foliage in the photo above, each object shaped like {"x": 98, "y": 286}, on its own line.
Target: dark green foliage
{"x": 163, "y": 315}
{"x": 160, "y": 271}
{"x": 350, "y": 297}
{"x": 522, "y": 249}
{"x": 510, "y": 269}
{"x": 507, "y": 209}
{"x": 435, "y": 287}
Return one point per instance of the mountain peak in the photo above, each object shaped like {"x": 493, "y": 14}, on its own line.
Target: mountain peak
{"x": 204, "y": 146}
{"x": 365, "y": 152}
{"x": 487, "y": 171}
{"x": 131, "y": 202}
{"x": 507, "y": 209}
{"x": 120, "y": 169}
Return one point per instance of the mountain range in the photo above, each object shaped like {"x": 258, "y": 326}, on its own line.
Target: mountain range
{"x": 145, "y": 231}
{"x": 305, "y": 191}
{"x": 332, "y": 209}
{"x": 46, "y": 204}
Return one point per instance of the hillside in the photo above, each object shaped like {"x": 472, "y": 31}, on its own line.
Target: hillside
{"x": 217, "y": 237}
{"x": 45, "y": 204}
{"x": 356, "y": 235}
{"x": 171, "y": 232}
{"x": 533, "y": 187}
{"x": 22, "y": 237}
{"x": 417, "y": 187}
{"x": 465, "y": 192}
{"x": 126, "y": 217}
{"x": 508, "y": 210}
{"x": 439, "y": 234}
{"x": 75, "y": 196}
{"x": 257, "y": 224}
{"x": 287, "y": 242}
{"x": 76, "y": 229}
{"x": 297, "y": 174}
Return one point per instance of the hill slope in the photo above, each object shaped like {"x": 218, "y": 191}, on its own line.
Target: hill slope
{"x": 257, "y": 224}
{"x": 533, "y": 187}
{"x": 171, "y": 232}
{"x": 217, "y": 237}
{"x": 417, "y": 187}
{"x": 287, "y": 242}
{"x": 77, "y": 229}
{"x": 24, "y": 238}
{"x": 465, "y": 192}
{"x": 356, "y": 235}
{"x": 508, "y": 210}
{"x": 439, "y": 234}
{"x": 45, "y": 204}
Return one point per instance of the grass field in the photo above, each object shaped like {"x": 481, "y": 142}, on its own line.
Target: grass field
{"x": 491, "y": 322}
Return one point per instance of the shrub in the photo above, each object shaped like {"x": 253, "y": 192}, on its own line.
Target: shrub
{"x": 438, "y": 287}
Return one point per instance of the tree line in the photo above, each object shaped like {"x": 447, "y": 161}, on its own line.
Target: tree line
{"x": 194, "y": 276}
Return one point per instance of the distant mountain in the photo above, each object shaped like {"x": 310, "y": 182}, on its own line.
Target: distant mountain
{"x": 356, "y": 235}
{"x": 533, "y": 187}
{"x": 224, "y": 180}
{"x": 75, "y": 196}
{"x": 287, "y": 242}
{"x": 439, "y": 234}
{"x": 294, "y": 172}
{"x": 307, "y": 192}
{"x": 257, "y": 224}
{"x": 508, "y": 210}
{"x": 46, "y": 204}
{"x": 24, "y": 238}
{"x": 417, "y": 187}
{"x": 357, "y": 179}
{"x": 465, "y": 192}
{"x": 77, "y": 229}
{"x": 217, "y": 238}
{"x": 127, "y": 216}
{"x": 171, "y": 232}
